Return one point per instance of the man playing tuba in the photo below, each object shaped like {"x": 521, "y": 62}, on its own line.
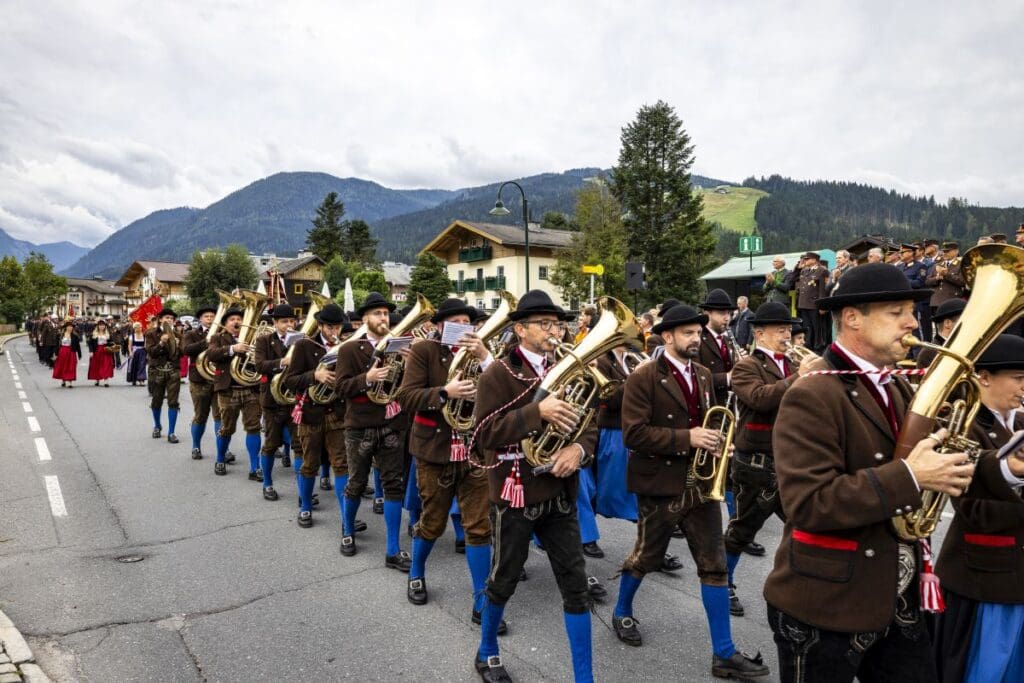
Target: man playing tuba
{"x": 270, "y": 360}
{"x": 163, "y": 353}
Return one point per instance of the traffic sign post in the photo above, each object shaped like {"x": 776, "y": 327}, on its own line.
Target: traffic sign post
{"x": 592, "y": 271}
{"x": 750, "y": 245}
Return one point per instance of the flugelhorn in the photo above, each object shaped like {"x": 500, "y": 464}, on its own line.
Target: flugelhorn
{"x": 383, "y": 392}
{"x": 278, "y": 390}
{"x": 710, "y": 468}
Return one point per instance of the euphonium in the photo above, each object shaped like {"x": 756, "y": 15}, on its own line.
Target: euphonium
{"x": 243, "y": 368}
{"x": 323, "y": 394}
{"x": 383, "y": 392}
{"x": 577, "y": 382}
{"x": 203, "y": 365}
{"x": 458, "y": 412}
{"x": 709, "y": 469}
{"x": 282, "y": 394}
{"x": 995, "y": 275}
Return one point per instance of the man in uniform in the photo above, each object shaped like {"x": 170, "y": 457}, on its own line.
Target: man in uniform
{"x": 270, "y": 360}
{"x": 915, "y": 271}
{"x": 811, "y": 284}
{"x": 523, "y": 502}
{"x": 945, "y": 277}
{"x": 844, "y": 598}
{"x": 163, "y": 354}
{"x": 662, "y": 413}
{"x": 233, "y": 398}
{"x": 201, "y": 390}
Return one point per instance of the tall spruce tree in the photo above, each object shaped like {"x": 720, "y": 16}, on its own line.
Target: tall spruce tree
{"x": 663, "y": 219}
{"x": 358, "y": 245}
{"x": 429, "y": 277}
{"x": 326, "y": 238}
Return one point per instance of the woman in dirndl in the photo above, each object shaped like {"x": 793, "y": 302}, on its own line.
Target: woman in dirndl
{"x": 68, "y": 354}
{"x": 101, "y": 360}
{"x": 137, "y": 360}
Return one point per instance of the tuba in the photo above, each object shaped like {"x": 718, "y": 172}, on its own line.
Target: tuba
{"x": 578, "y": 382}
{"x": 709, "y": 469}
{"x": 383, "y": 392}
{"x": 281, "y": 394}
{"x": 243, "y": 368}
{"x": 203, "y": 366}
{"x": 995, "y": 275}
{"x": 323, "y": 394}
{"x": 458, "y": 412}
{"x": 172, "y": 338}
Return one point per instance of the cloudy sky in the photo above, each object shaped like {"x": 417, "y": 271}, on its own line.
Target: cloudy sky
{"x": 111, "y": 110}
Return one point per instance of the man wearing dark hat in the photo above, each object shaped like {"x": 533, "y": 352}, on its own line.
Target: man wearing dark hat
{"x": 372, "y": 432}
{"x": 662, "y": 412}
{"x": 523, "y": 502}
{"x": 270, "y": 360}
{"x": 717, "y": 349}
{"x": 811, "y": 285}
{"x": 998, "y": 238}
{"x": 945, "y": 277}
{"x": 759, "y": 380}
{"x": 844, "y": 598}
{"x": 192, "y": 344}
{"x": 931, "y": 252}
{"x": 916, "y": 272}
{"x": 232, "y": 397}
{"x": 443, "y": 472}
{"x": 162, "y": 356}
{"x": 945, "y": 318}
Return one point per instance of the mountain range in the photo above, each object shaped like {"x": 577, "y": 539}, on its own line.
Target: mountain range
{"x": 60, "y": 254}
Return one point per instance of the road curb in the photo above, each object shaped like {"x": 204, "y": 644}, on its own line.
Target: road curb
{"x": 15, "y": 654}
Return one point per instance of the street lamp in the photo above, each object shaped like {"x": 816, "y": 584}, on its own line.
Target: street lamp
{"x": 500, "y": 210}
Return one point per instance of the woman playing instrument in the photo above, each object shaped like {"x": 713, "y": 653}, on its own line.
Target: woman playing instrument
{"x": 980, "y": 636}
{"x": 68, "y": 354}
{"x": 136, "y": 373}
{"x": 102, "y": 350}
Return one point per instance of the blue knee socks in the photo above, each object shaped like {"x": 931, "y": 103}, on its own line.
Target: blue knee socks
{"x": 325, "y": 469}
{"x": 222, "y": 447}
{"x": 297, "y": 463}
{"x": 286, "y": 441}
{"x": 730, "y": 504}
{"x": 577, "y": 627}
{"x": 348, "y": 520}
{"x": 731, "y": 561}
{"x": 252, "y": 444}
{"x": 420, "y": 552}
{"x": 197, "y": 435}
{"x": 378, "y": 488}
{"x": 628, "y": 586}
{"x": 478, "y": 557}
{"x": 156, "y": 417}
{"x": 393, "y": 522}
{"x": 172, "y": 419}
{"x": 340, "y": 482}
{"x": 306, "y": 492}
{"x": 460, "y": 532}
{"x": 490, "y": 620}
{"x": 716, "y": 607}
{"x": 267, "y": 465}
{"x": 216, "y": 427}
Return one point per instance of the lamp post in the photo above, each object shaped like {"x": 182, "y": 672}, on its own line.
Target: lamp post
{"x": 500, "y": 210}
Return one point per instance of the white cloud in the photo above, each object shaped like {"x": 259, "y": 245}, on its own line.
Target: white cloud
{"x": 111, "y": 110}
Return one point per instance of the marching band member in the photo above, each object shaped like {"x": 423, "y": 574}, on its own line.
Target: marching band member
{"x": 201, "y": 391}
{"x": 101, "y": 360}
{"x": 798, "y": 335}
{"x": 662, "y": 410}
{"x": 844, "y": 595}
{"x": 372, "y": 432}
{"x": 759, "y": 380}
{"x": 654, "y": 340}
{"x": 69, "y": 352}
{"x": 945, "y": 318}
{"x": 162, "y": 354}
{"x": 980, "y": 636}
{"x": 524, "y": 503}
{"x": 233, "y": 398}
{"x": 270, "y": 360}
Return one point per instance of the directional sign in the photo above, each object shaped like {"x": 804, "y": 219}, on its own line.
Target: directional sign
{"x": 751, "y": 244}
{"x": 594, "y": 270}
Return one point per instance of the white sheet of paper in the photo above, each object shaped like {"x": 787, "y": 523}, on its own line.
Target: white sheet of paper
{"x": 453, "y": 332}
{"x": 291, "y": 338}
{"x": 398, "y": 343}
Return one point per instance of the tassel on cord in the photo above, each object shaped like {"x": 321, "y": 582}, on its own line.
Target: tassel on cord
{"x": 297, "y": 410}
{"x": 393, "y": 409}
{"x": 512, "y": 490}
{"x": 458, "y": 453}
{"x": 931, "y": 591}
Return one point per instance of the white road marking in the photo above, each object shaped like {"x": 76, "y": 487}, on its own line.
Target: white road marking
{"x": 56, "y": 499}
{"x": 15, "y": 377}
{"x": 42, "y": 449}
{"x": 17, "y": 385}
{"x": 33, "y": 423}
{"x": 27, "y": 407}
{"x": 22, "y": 394}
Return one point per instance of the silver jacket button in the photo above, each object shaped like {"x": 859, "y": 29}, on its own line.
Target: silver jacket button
{"x": 854, "y": 394}
{"x": 879, "y": 456}
{"x": 907, "y": 508}
{"x": 669, "y": 416}
{"x": 869, "y": 553}
{"x": 991, "y": 435}
{"x": 899, "y": 511}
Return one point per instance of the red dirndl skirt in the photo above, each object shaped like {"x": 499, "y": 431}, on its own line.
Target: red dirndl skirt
{"x": 66, "y": 367}
{"x": 101, "y": 364}
{"x": 183, "y": 366}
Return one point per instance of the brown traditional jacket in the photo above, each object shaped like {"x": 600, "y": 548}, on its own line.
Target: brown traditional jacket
{"x": 811, "y": 286}
{"x": 836, "y": 567}
{"x": 949, "y": 286}
{"x": 354, "y": 360}
{"x": 502, "y": 426}
{"x": 926, "y": 356}
{"x": 609, "y": 414}
{"x": 158, "y": 353}
{"x": 269, "y": 352}
{"x": 49, "y": 335}
{"x": 653, "y": 342}
{"x": 426, "y": 373}
{"x": 219, "y": 354}
{"x": 655, "y": 427}
{"x": 759, "y": 386}
{"x": 710, "y": 357}
{"x": 982, "y": 557}
{"x": 299, "y": 376}
{"x": 193, "y": 343}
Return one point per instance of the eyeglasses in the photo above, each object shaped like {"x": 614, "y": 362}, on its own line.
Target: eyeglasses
{"x": 547, "y": 325}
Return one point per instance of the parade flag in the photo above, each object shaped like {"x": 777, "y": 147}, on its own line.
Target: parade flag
{"x": 146, "y": 310}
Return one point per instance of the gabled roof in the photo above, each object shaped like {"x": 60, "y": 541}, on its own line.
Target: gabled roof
{"x": 99, "y": 286}
{"x": 165, "y": 272}
{"x": 290, "y": 265}
{"x": 739, "y": 267}
{"x": 510, "y": 235}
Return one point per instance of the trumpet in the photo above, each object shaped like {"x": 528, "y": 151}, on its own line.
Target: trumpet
{"x": 709, "y": 469}
{"x": 797, "y": 354}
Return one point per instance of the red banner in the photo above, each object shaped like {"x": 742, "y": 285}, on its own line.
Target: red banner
{"x": 146, "y": 310}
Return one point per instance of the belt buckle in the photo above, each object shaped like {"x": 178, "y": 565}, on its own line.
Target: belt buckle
{"x": 510, "y": 454}
{"x": 758, "y": 460}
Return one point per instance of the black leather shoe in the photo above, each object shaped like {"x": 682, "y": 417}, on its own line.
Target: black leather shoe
{"x": 670, "y": 563}
{"x": 596, "y": 590}
{"x": 740, "y": 665}
{"x": 156, "y": 432}
{"x": 305, "y": 519}
{"x": 219, "y": 468}
{"x": 478, "y": 619}
{"x": 735, "y": 606}
{"x": 460, "y": 547}
{"x": 197, "y": 454}
{"x": 378, "y": 506}
{"x": 269, "y": 493}
{"x": 348, "y": 546}
{"x": 286, "y": 461}
{"x": 171, "y": 438}
{"x": 316, "y": 502}
{"x": 626, "y": 630}
{"x": 491, "y": 670}
{"x": 755, "y": 549}
{"x": 592, "y": 550}
{"x": 256, "y": 476}
{"x": 325, "y": 484}
{"x": 417, "y": 592}
{"x": 368, "y": 492}
{"x": 229, "y": 457}
{"x": 523, "y": 576}
{"x": 401, "y": 561}
{"x": 360, "y": 526}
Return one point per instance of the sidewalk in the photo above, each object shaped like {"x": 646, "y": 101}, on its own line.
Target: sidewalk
{"x": 17, "y": 663}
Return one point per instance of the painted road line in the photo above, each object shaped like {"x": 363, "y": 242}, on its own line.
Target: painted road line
{"x": 56, "y": 499}
{"x": 27, "y": 407}
{"x": 33, "y": 423}
{"x": 22, "y": 394}
{"x": 17, "y": 385}
{"x": 42, "y": 449}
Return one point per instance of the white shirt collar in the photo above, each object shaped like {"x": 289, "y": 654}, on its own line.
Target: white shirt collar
{"x": 873, "y": 375}
{"x": 535, "y": 359}
{"x": 771, "y": 354}
{"x": 1005, "y": 420}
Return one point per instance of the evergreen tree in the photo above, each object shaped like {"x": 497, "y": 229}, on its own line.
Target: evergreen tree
{"x": 326, "y": 238}
{"x": 359, "y": 246}
{"x": 12, "y": 291}
{"x": 429, "y": 277}
{"x": 239, "y": 269}
{"x": 214, "y": 269}
{"x": 556, "y": 220}
{"x": 663, "y": 221}
{"x": 42, "y": 286}
{"x": 371, "y": 281}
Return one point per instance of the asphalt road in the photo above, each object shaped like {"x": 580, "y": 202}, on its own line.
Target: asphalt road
{"x": 229, "y": 588}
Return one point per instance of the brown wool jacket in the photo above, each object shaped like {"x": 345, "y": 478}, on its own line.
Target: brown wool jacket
{"x": 655, "y": 427}
{"x": 982, "y": 557}
{"x": 426, "y": 373}
{"x": 354, "y": 360}
{"x": 759, "y": 386}
{"x": 811, "y": 286}
{"x": 219, "y": 354}
{"x": 298, "y": 377}
{"x": 158, "y": 353}
{"x": 710, "y": 357}
{"x": 949, "y": 286}
{"x": 193, "y": 343}
{"x": 836, "y": 567}
{"x": 609, "y": 415}
{"x": 500, "y": 383}
{"x": 269, "y": 352}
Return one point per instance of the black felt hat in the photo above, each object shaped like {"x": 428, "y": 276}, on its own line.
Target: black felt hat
{"x": 1005, "y": 353}
{"x": 950, "y": 245}
{"x": 166, "y": 311}
{"x": 534, "y": 302}
{"x": 950, "y": 308}
{"x": 666, "y": 305}
{"x": 797, "y": 328}
{"x": 451, "y": 307}
{"x": 230, "y": 312}
{"x": 811, "y": 254}
{"x": 331, "y": 314}
{"x": 773, "y": 313}
{"x": 282, "y": 311}
{"x": 718, "y": 300}
{"x": 204, "y": 309}
{"x": 680, "y": 315}
{"x": 374, "y": 300}
{"x": 869, "y": 283}
{"x": 998, "y": 236}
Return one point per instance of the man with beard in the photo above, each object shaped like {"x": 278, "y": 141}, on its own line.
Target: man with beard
{"x": 163, "y": 353}
{"x": 234, "y": 399}
{"x": 716, "y": 346}
{"x": 201, "y": 390}
{"x": 271, "y": 359}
